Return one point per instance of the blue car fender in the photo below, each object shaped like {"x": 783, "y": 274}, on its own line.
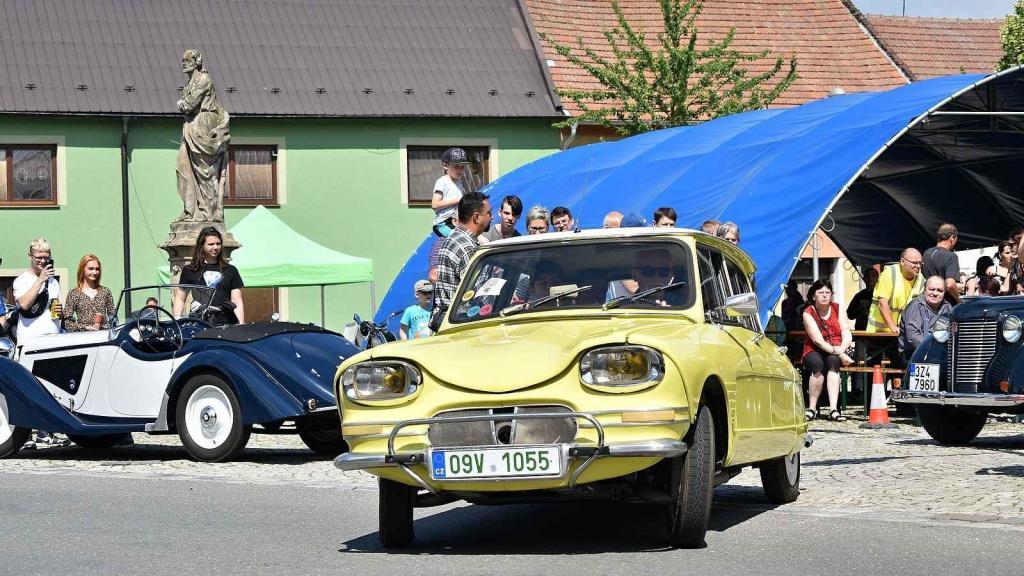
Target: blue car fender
{"x": 260, "y": 396}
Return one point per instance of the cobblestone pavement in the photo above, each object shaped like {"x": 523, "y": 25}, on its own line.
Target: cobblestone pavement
{"x": 896, "y": 473}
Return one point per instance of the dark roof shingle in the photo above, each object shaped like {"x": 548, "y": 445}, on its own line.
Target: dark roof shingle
{"x": 930, "y": 47}
{"x": 479, "y": 48}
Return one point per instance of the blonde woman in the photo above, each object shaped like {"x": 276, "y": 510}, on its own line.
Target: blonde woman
{"x": 89, "y": 303}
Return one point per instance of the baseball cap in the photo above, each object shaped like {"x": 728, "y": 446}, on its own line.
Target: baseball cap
{"x": 424, "y": 286}
{"x": 455, "y": 155}
{"x": 633, "y": 220}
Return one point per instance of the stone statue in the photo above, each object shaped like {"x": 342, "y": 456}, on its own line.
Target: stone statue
{"x": 202, "y": 158}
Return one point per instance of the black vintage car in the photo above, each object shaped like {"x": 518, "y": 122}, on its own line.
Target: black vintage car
{"x": 970, "y": 366}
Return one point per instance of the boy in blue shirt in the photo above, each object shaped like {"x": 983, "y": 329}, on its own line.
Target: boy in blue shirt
{"x": 416, "y": 319}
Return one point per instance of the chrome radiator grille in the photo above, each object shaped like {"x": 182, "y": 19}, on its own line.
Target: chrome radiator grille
{"x": 509, "y": 432}
{"x": 970, "y": 349}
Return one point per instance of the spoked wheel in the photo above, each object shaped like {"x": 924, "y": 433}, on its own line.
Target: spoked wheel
{"x": 12, "y": 437}
{"x": 689, "y": 513}
{"x": 781, "y": 479}
{"x": 98, "y": 442}
{"x": 209, "y": 420}
{"x": 395, "y": 514}
{"x": 323, "y": 437}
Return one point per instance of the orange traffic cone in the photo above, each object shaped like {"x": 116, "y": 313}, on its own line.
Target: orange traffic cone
{"x": 878, "y": 414}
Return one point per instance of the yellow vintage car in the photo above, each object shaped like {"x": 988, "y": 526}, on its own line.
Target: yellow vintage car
{"x": 620, "y": 364}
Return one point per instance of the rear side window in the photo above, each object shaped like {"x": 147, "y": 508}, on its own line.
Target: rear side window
{"x": 712, "y": 290}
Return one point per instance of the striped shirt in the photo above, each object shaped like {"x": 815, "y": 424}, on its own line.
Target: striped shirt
{"x": 452, "y": 259}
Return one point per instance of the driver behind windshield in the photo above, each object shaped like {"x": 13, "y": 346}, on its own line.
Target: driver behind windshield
{"x": 209, "y": 269}
{"x": 652, "y": 267}
{"x": 545, "y": 275}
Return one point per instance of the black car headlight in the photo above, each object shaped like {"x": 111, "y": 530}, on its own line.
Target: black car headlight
{"x": 940, "y": 330}
{"x": 617, "y": 367}
{"x": 1011, "y": 329}
{"x": 380, "y": 380}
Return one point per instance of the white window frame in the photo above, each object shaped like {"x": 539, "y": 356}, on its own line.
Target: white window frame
{"x": 403, "y": 157}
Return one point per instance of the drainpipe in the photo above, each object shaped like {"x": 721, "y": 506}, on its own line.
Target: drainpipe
{"x": 572, "y": 134}
{"x": 125, "y": 230}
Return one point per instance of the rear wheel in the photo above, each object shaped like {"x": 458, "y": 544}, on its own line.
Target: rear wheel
{"x": 209, "y": 420}
{"x": 951, "y": 426}
{"x": 691, "y": 510}
{"x": 781, "y": 478}
{"x": 395, "y": 514}
{"x": 323, "y": 437}
{"x": 98, "y": 442}
{"x": 12, "y": 437}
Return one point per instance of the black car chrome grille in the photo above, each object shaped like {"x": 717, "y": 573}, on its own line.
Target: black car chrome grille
{"x": 970, "y": 349}
{"x": 508, "y": 432}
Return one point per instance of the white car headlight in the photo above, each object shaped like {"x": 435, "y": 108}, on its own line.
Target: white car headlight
{"x": 940, "y": 330}
{"x": 622, "y": 366}
{"x": 380, "y": 380}
{"x": 1011, "y": 329}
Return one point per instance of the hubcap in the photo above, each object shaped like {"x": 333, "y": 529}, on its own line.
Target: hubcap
{"x": 6, "y": 429}
{"x": 208, "y": 417}
{"x": 793, "y": 468}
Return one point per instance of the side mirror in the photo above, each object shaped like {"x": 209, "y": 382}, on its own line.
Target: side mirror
{"x": 6, "y": 347}
{"x": 111, "y": 320}
{"x": 739, "y": 305}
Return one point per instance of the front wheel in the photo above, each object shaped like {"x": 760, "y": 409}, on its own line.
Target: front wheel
{"x": 209, "y": 420}
{"x": 781, "y": 479}
{"x": 323, "y": 437}
{"x": 395, "y": 513}
{"x": 690, "y": 511}
{"x": 949, "y": 425}
{"x": 12, "y": 437}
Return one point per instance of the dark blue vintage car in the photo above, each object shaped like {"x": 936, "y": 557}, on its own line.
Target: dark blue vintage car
{"x": 970, "y": 366}
{"x": 159, "y": 374}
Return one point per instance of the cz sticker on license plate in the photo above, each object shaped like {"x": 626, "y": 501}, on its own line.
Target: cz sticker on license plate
{"x": 495, "y": 462}
{"x": 923, "y": 377}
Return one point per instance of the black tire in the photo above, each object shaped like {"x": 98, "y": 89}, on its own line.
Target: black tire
{"x": 395, "y": 514}
{"x": 323, "y": 437}
{"x": 951, "y": 426}
{"x": 97, "y": 442}
{"x": 12, "y": 438}
{"x": 224, "y": 439}
{"x": 690, "y": 512}
{"x": 781, "y": 479}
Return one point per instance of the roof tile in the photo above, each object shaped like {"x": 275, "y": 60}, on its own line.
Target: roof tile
{"x": 930, "y": 47}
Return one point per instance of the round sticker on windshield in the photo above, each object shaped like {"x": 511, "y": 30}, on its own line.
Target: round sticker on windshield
{"x": 486, "y": 310}
{"x": 468, "y": 295}
{"x": 473, "y": 311}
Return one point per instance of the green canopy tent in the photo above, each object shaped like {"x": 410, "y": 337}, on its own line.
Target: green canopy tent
{"x": 275, "y": 256}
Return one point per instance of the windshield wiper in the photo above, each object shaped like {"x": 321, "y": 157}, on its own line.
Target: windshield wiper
{"x": 538, "y": 301}
{"x": 616, "y": 302}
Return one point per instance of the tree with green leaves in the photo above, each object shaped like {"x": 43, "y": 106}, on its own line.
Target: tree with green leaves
{"x": 672, "y": 82}
{"x": 1012, "y": 35}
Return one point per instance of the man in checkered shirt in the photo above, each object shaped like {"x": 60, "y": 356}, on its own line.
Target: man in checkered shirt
{"x": 474, "y": 219}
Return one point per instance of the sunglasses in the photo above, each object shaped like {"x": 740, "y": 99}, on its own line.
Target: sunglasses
{"x": 663, "y": 271}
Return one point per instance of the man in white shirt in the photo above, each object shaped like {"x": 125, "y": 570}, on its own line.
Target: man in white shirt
{"x": 35, "y": 293}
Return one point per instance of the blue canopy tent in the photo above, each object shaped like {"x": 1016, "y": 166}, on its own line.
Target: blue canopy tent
{"x": 881, "y": 170}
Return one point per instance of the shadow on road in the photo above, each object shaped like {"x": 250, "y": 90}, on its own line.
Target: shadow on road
{"x": 843, "y": 461}
{"x": 560, "y": 528}
{"x": 146, "y": 453}
{"x": 1014, "y": 471}
{"x": 999, "y": 443}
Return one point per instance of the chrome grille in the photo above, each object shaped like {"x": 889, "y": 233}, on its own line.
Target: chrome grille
{"x": 970, "y": 349}
{"x": 511, "y": 432}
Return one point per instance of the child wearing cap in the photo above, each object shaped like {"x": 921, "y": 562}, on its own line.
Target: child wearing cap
{"x": 415, "y": 321}
{"x": 448, "y": 191}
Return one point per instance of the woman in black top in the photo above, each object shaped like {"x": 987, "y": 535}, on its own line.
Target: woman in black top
{"x": 209, "y": 269}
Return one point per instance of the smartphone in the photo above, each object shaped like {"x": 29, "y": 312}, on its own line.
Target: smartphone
{"x": 49, "y": 263}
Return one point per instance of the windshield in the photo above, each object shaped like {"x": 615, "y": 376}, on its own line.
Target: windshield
{"x": 138, "y": 302}
{"x": 538, "y": 278}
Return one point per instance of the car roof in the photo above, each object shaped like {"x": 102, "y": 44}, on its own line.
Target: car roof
{"x": 624, "y": 233}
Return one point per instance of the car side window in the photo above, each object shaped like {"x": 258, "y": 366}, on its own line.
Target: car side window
{"x": 712, "y": 291}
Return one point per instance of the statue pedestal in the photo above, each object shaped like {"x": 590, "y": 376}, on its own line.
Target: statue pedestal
{"x": 181, "y": 242}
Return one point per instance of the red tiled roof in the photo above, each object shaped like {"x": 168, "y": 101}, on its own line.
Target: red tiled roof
{"x": 929, "y": 47}
{"x": 831, "y": 47}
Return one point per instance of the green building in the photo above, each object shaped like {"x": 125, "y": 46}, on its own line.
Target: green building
{"x": 339, "y": 115}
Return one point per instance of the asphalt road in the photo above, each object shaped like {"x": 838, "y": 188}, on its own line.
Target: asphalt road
{"x": 70, "y": 524}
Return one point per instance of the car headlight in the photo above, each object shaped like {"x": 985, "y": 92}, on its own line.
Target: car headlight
{"x": 380, "y": 380}
{"x": 940, "y": 330}
{"x": 1011, "y": 329}
{"x": 622, "y": 366}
